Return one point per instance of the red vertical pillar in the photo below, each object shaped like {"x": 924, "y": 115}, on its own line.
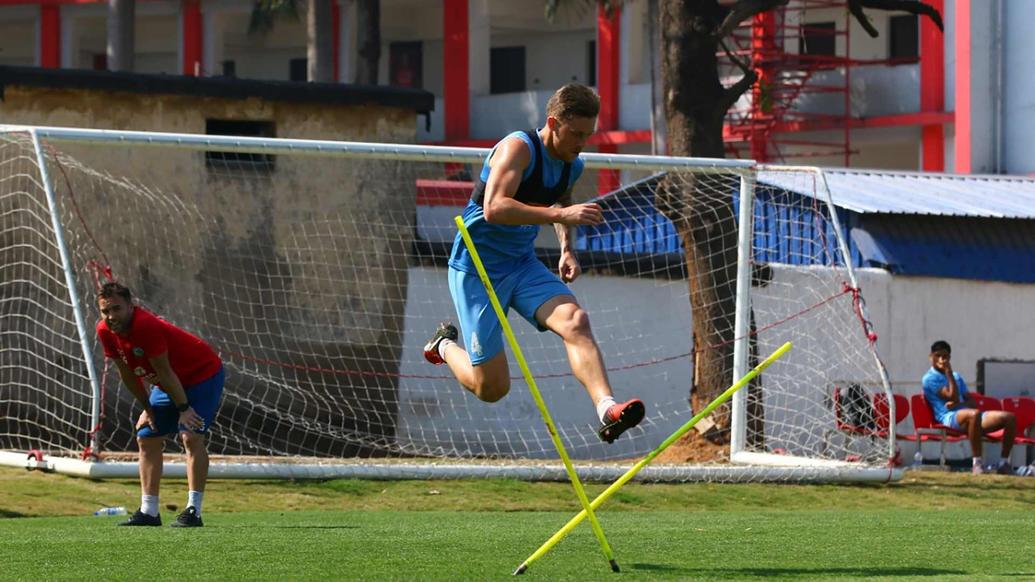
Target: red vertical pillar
{"x": 50, "y": 36}
{"x": 763, "y": 35}
{"x": 609, "y": 72}
{"x": 963, "y": 161}
{"x": 932, "y": 89}
{"x": 193, "y": 41}
{"x": 456, "y": 92}
{"x": 336, "y": 39}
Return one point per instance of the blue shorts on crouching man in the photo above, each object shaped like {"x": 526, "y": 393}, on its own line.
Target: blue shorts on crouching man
{"x": 203, "y": 397}
{"x": 526, "y": 287}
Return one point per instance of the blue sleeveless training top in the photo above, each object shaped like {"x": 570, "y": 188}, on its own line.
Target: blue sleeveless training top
{"x": 501, "y": 246}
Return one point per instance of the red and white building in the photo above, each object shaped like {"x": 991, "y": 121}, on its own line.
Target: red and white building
{"x": 912, "y": 98}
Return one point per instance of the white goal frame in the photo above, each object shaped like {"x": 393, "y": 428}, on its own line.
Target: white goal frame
{"x": 780, "y": 467}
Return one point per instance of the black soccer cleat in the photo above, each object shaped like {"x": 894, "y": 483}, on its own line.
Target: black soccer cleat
{"x": 188, "y": 518}
{"x": 444, "y": 331}
{"x": 141, "y": 518}
{"x": 620, "y": 418}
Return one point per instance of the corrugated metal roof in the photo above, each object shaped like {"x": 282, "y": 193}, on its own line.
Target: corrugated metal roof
{"x": 984, "y": 249}
{"x": 872, "y": 191}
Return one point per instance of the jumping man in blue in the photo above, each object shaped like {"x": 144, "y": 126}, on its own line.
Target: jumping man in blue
{"x": 526, "y": 181}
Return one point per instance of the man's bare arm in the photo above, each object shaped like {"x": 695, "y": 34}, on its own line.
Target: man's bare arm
{"x": 565, "y": 232}
{"x": 172, "y": 386}
{"x": 506, "y": 168}
{"x": 132, "y": 383}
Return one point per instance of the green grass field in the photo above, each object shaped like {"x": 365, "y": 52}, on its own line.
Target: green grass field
{"x": 930, "y": 526}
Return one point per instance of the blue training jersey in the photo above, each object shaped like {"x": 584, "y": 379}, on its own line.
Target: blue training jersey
{"x": 503, "y": 246}
{"x": 934, "y": 381}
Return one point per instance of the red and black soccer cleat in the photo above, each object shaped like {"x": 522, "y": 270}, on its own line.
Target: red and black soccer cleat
{"x": 444, "y": 331}
{"x": 620, "y": 418}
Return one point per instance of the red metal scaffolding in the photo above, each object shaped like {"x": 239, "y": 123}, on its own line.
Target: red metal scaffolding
{"x": 799, "y": 89}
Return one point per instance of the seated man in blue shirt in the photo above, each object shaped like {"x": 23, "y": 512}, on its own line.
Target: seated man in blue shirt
{"x": 952, "y": 405}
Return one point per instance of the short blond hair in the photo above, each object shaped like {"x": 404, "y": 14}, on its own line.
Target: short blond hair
{"x": 573, "y": 100}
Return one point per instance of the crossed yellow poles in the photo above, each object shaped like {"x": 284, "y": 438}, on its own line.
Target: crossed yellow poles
{"x": 587, "y": 506}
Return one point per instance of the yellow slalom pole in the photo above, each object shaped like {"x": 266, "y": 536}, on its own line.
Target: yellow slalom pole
{"x": 509, "y": 333}
{"x": 643, "y": 462}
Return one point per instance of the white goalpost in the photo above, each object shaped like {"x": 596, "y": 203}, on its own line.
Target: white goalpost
{"x": 317, "y": 269}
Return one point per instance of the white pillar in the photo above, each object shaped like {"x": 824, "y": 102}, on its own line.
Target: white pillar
{"x": 69, "y": 41}
{"x": 213, "y": 41}
{"x": 347, "y": 41}
{"x": 984, "y": 103}
{"x": 478, "y": 43}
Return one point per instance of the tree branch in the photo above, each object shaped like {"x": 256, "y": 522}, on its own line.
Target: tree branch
{"x": 912, "y": 7}
{"x": 733, "y": 92}
{"x": 743, "y": 10}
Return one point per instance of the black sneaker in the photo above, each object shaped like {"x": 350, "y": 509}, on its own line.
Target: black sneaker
{"x": 141, "y": 518}
{"x": 444, "y": 331}
{"x": 187, "y": 518}
{"x": 620, "y": 418}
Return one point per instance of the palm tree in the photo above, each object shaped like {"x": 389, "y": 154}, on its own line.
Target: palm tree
{"x": 319, "y": 32}
{"x": 368, "y": 41}
{"x": 121, "y": 33}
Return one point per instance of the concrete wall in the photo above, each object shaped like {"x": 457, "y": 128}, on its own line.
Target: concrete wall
{"x": 218, "y": 250}
{"x": 908, "y": 314}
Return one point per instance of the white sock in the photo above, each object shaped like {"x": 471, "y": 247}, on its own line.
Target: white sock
{"x": 605, "y": 403}
{"x": 977, "y": 461}
{"x": 149, "y": 504}
{"x": 194, "y": 500}
{"x": 442, "y": 345}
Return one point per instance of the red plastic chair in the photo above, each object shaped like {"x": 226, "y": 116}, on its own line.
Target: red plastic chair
{"x": 878, "y": 406}
{"x": 845, "y": 426}
{"x": 986, "y": 402}
{"x": 925, "y": 429}
{"x": 882, "y": 413}
{"x": 1024, "y": 409}
{"x": 944, "y": 433}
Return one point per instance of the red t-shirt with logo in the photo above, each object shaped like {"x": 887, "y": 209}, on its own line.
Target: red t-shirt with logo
{"x": 191, "y": 359}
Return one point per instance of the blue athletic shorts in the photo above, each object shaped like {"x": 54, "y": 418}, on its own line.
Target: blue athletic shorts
{"x": 949, "y": 419}
{"x": 203, "y": 398}
{"x": 525, "y": 288}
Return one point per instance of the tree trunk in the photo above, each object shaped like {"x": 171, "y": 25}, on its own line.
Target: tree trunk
{"x": 700, "y": 206}
{"x": 368, "y": 40}
{"x": 121, "y": 33}
{"x": 319, "y": 44}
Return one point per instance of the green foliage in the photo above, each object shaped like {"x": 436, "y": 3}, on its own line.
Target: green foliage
{"x": 550, "y": 7}
{"x": 265, "y": 13}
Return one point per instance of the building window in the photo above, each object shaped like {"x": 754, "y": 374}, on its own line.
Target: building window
{"x": 236, "y": 161}
{"x": 298, "y": 70}
{"x": 405, "y": 64}
{"x": 904, "y": 37}
{"x": 507, "y": 69}
{"x": 818, "y": 39}
{"x": 591, "y": 63}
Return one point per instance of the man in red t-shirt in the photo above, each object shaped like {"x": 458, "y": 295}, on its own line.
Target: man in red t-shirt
{"x": 185, "y": 377}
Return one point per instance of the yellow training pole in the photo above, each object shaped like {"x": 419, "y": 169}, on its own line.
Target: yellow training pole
{"x": 643, "y": 462}
{"x": 509, "y": 333}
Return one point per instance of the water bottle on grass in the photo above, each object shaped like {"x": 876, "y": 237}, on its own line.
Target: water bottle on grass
{"x": 111, "y": 511}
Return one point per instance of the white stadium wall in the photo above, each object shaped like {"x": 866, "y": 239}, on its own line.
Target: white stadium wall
{"x": 908, "y": 313}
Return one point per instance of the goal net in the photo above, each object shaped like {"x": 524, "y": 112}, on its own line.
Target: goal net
{"x": 317, "y": 270}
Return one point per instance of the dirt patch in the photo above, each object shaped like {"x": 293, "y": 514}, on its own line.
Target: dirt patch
{"x": 693, "y": 448}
